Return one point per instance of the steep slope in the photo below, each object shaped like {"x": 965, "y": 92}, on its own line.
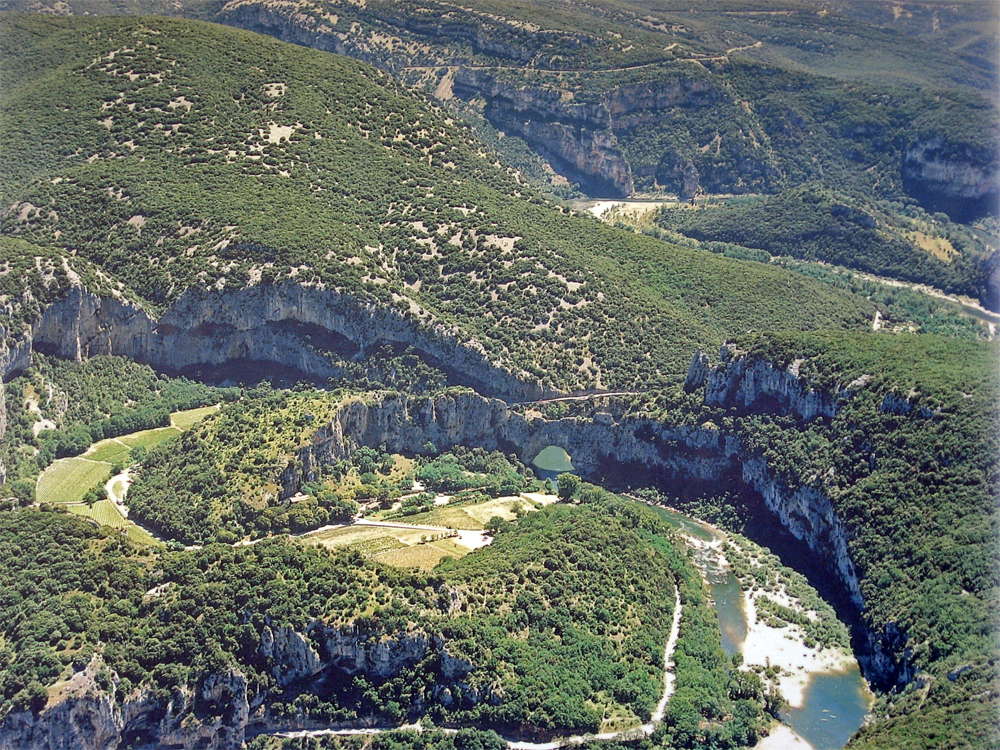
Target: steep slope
{"x": 725, "y": 97}
{"x": 817, "y": 223}
{"x": 268, "y": 202}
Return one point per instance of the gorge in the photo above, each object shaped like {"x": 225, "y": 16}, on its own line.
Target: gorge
{"x": 601, "y": 445}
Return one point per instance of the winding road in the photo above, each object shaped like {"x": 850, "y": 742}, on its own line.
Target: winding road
{"x": 632, "y": 733}
{"x": 581, "y": 397}
{"x": 723, "y": 57}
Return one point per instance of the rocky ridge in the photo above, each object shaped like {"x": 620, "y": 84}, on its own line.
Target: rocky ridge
{"x": 958, "y": 181}
{"x": 584, "y": 121}
{"x": 292, "y": 325}
{"x": 224, "y": 709}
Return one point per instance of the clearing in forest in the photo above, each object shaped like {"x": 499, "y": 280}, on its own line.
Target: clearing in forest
{"x": 182, "y": 420}
{"x": 107, "y": 514}
{"x": 399, "y": 547}
{"x": 67, "y": 480}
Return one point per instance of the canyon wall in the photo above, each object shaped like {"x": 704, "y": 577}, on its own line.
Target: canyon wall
{"x": 224, "y": 709}
{"x": 607, "y": 134}
{"x": 290, "y": 325}
{"x": 668, "y": 454}
{"x": 959, "y": 180}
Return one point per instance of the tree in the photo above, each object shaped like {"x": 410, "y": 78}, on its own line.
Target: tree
{"x": 495, "y": 525}
{"x": 23, "y": 490}
{"x": 568, "y": 484}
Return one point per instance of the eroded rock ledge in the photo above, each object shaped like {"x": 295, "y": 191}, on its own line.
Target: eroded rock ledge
{"x": 291, "y": 325}
{"x": 87, "y": 716}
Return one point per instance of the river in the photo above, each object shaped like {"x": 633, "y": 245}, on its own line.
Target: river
{"x": 834, "y": 704}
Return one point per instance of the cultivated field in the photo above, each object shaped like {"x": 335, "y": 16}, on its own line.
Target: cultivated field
{"x": 401, "y": 548}
{"x": 110, "y": 450}
{"x": 68, "y": 480}
{"x": 182, "y": 420}
{"x": 474, "y": 517}
{"x": 422, "y": 556}
{"x": 106, "y": 514}
{"x": 149, "y": 438}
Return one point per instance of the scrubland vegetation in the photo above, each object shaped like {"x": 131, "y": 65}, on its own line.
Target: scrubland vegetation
{"x": 146, "y": 159}
{"x": 378, "y": 196}
{"x": 814, "y": 223}
{"x": 610, "y": 565}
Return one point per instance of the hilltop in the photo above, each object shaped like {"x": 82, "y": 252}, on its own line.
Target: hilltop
{"x": 728, "y": 97}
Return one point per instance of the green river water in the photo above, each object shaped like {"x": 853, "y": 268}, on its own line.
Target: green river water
{"x": 834, "y": 705}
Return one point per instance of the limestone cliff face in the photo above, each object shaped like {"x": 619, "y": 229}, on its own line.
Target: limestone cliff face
{"x": 582, "y": 140}
{"x": 212, "y": 716}
{"x": 221, "y": 711}
{"x": 753, "y": 384}
{"x": 952, "y": 178}
{"x": 402, "y": 423}
{"x": 578, "y": 138}
{"x": 286, "y": 324}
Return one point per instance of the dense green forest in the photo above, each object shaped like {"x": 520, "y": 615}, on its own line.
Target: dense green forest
{"x": 223, "y": 476}
{"x": 78, "y": 593}
{"x": 814, "y": 223}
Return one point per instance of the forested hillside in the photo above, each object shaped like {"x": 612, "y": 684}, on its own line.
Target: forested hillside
{"x": 180, "y": 162}
{"x": 910, "y": 464}
{"x": 507, "y": 656}
{"x": 194, "y": 215}
{"x": 617, "y": 97}
{"x": 815, "y": 223}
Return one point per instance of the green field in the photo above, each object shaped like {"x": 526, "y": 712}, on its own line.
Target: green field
{"x": 69, "y": 479}
{"x": 183, "y": 420}
{"x": 107, "y": 514}
{"x": 149, "y": 438}
{"x": 111, "y": 450}
{"x": 472, "y": 517}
